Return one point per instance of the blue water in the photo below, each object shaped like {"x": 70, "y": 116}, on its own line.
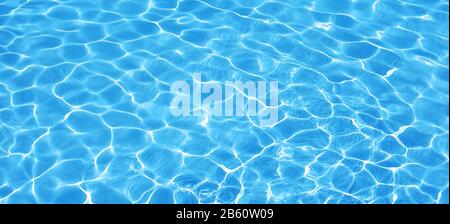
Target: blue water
{"x": 363, "y": 102}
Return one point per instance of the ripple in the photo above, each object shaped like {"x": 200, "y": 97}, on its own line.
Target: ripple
{"x": 84, "y": 101}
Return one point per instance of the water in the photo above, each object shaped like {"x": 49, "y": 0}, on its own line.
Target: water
{"x": 363, "y": 102}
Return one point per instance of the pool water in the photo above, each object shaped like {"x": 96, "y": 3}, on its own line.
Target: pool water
{"x": 362, "y": 114}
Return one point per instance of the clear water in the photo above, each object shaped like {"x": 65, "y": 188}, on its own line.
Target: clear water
{"x": 84, "y": 95}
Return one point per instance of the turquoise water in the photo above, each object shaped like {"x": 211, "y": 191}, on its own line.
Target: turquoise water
{"x": 363, "y": 101}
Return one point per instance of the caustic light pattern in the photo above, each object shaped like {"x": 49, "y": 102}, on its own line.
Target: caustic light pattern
{"x": 362, "y": 112}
